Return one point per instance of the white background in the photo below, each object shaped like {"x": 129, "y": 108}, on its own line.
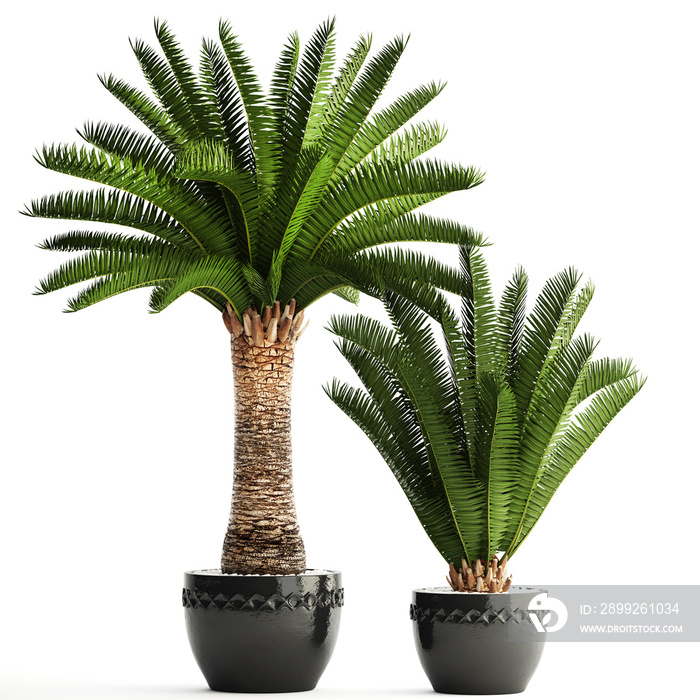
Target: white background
{"x": 117, "y": 425}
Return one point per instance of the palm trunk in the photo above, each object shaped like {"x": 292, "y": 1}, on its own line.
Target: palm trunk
{"x": 263, "y": 532}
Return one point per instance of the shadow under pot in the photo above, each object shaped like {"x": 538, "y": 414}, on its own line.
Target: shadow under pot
{"x": 262, "y": 634}
{"x": 477, "y": 643}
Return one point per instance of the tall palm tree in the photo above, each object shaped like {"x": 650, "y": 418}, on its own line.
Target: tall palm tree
{"x": 260, "y": 204}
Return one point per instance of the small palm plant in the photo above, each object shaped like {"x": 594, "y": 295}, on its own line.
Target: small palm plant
{"x": 481, "y": 436}
{"x": 259, "y": 204}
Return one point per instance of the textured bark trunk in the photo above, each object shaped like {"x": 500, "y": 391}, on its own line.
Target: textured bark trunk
{"x": 263, "y": 532}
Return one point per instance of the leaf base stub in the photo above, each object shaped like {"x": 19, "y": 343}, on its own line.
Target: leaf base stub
{"x": 480, "y": 577}
{"x": 274, "y": 325}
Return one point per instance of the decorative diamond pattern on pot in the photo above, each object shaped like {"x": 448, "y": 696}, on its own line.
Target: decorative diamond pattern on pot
{"x": 235, "y": 602}
{"x": 326, "y": 599}
{"x": 455, "y": 616}
{"x": 294, "y": 601}
{"x": 219, "y": 600}
{"x": 479, "y": 617}
{"x": 274, "y": 603}
{"x": 255, "y": 602}
{"x": 205, "y": 600}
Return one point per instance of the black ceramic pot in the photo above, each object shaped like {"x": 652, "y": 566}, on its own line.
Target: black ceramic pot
{"x": 477, "y": 643}
{"x": 262, "y": 634}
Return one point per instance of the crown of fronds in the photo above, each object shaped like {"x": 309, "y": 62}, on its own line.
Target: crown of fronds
{"x": 481, "y": 434}
{"x": 246, "y": 197}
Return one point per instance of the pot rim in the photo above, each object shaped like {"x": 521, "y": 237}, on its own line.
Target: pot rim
{"x": 308, "y": 573}
{"x": 444, "y": 590}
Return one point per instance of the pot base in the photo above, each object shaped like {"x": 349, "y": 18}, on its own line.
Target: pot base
{"x": 262, "y": 634}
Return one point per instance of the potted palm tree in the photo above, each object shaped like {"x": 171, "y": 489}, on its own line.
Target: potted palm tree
{"x": 479, "y": 438}
{"x": 259, "y": 203}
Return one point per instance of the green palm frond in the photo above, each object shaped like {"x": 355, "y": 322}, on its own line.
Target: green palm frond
{"x": 229, "y": 121}
{"x": 310, "y": 192}
{"x": 118, "y": 255}
{"x": 124, "y": 142}
{"x": 320, "y": 74}
{"x": 258, "y": 285}
{"x": 372, "y": 350}
{"x": 479, "y": 317}
{"x": 343, "y": 82}
{"x": 299, "y": 90}
{"x": 406, "y": 272}
{"x": 257, "y": 112}
{"x": 367, "y": 231}
{"x": 307, "y": 282}
{"x": 74, "y": 241}
{"x": 146, "y": 110}
{"x": 511, "y": 320}
{"x": 409, "y": 145}
{"x": 396, "y": 190}
{"x": 492, "y": 425}
{"x": 431, "y": 508}
{"x": 112, "y": 272}
{"x": 295, "y": 185}
{"x": 349, "y": 294}
{"x": 573, "y": 444}
{"x": 432, "y": 395}
{"x": 501, "y": 467}
{"x": 213, "y": 273}
{"x": 547, "y": 419}
{"x": 361, "y": 98}
{"x": 281, "y": 86}
{"x": 202, "y": 221}
{"x": 544, "y": 333}
{"x": 184, "y": 80}
{"x": 463, "y": 378}
{"x": 212, "y": 161}
{"x": 603, "y": 373}
{"x": 112, "y": 207}
{"x": 374, "y": 134}
{"x": 164, "y": 84}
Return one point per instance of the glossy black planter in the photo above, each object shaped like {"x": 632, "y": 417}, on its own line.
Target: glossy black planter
{"x": 262, "y": 634}
{"x": 477, "y": 643}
